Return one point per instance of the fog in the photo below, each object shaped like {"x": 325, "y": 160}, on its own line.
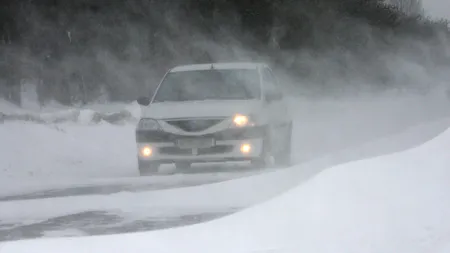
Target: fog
{"x": 361, "y": 78}
{"x": 437, "y": 9}
{"x": 352, "y": 73}
{"x": 76, "y": 52}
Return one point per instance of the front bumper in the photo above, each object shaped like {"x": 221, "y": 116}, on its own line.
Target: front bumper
{"x": 227, "y": 146}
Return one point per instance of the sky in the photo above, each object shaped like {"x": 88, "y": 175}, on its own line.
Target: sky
{"x": 437, "y": 8}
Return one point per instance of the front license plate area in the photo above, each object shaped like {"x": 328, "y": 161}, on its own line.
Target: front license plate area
{"x": 190, "y": 143}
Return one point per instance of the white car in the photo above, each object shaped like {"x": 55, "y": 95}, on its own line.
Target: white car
{"x": 214, "y": 112}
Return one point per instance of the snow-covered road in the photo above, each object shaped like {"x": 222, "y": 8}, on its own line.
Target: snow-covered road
{"x": 80, "y": 179}
{"x": 139, "y": 204}
{"x": 384, "y": 204}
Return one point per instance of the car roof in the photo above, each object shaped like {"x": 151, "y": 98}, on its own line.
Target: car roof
{"x": 223, "y": 65}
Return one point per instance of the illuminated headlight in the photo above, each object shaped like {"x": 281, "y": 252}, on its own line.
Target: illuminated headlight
{"x": 148, "y": 124}
{"x": 146, "y": 151}
{"x": 246, "y": 148}
{"x": 240, "y": 120}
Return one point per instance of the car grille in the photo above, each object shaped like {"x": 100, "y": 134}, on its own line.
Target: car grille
{"x": 220, "y": 149}
{"x": 194, "y": 125}
{"x": 228, "y": 134}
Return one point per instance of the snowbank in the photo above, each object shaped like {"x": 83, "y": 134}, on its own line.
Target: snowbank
{"x": 223, "y": 197}
{"x": 393, "y": 203}
{"x": 83, "y": 149}
{"x": 8, "y": 107}
{"x": 322, "y": 125}
{"x": 66, "y": 151}
{"x": 114, "y": 113}
{"x": 328, "y": 125}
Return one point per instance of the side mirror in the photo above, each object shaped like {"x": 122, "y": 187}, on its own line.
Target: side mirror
{"x": 273, "y": 96}
{"x": 145, "y": 101}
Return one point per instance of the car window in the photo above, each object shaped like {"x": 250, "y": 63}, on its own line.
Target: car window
{"x": 224, "y": 84}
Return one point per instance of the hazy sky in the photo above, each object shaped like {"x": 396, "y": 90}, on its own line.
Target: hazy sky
{"x": 437, "y": 8}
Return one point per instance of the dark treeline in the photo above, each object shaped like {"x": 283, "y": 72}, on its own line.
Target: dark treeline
{"x": 77, "y": 50}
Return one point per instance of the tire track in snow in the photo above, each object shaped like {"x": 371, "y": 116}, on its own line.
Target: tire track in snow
{"x": 94, "y": 223}
{"x": 198, "y": 176}
{"x": 98, "y": 223}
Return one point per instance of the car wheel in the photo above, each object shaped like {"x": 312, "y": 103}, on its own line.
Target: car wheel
{"x": 260, "y": 163}
{"x": 182, "y": 165}
{"x": 147, "y": 168}
{"x": 283, "y": 158}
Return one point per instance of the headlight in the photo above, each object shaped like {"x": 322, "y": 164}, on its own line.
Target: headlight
{"x": 240, "y": 120}
{"x": 148, "y": 124}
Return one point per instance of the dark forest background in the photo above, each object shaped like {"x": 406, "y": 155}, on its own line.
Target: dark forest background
{"x": 78, "y": 50}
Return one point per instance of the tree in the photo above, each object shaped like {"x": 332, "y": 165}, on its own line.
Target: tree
{"x": 124, "y": 47}
{"x": 409, "y": 7}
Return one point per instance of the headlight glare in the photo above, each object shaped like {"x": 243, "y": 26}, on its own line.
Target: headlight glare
{"x": 148, "y": 124}
{"x": 240, "y": 120}
{"x": 146, "y": 151}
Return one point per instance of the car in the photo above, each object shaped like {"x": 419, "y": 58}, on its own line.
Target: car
{"x": 214, "y": 112}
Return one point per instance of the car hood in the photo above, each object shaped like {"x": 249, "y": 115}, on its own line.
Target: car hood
{"x": 210, "y": 108}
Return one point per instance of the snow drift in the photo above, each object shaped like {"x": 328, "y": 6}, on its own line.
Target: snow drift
{"x": 68, "y": 151}
{"x": 205, "y": 197}
{"x": 82, "y": 148}
{"x": 119, "y": 113}
{"x": 392, "y": 203}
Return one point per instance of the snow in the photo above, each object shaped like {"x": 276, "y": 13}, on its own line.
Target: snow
{"x": 86, "y": 153}
{"x": 326, "y": 125}
{"x": 392, "y": 203}
{"x": 225, "y": 196}
{"x": 82, "y": 153}
{"x": 69, "y": 151}
{"x": 6, "y": 106}
{"x": 38, "y": 157}
{"x": 437, "y": 9}
{"x": 55, "y": 140}
{"x": 207, "y": 109}
{"x": 224, "y": 65}
{"x": 53, "y": 112}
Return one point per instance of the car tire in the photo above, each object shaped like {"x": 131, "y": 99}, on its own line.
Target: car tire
{"x": 283, "y": 158}
{"x": 148, "y": 168}
{"x": 182, "y": 165}
{"x": 259, "y": 163}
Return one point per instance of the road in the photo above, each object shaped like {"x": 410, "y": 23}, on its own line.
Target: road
{"x": 98, "y": 222}
{"x": 95, "y": 222}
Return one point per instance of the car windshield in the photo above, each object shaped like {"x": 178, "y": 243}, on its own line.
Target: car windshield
{"x": 224, "y": 84}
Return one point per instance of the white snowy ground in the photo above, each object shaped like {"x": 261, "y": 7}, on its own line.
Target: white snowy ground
{"x": 74, "y": 153}
{"x": 392, "y": 203}
{"x": 59, "y": 156}
{"x": 80, "y": 153}
{"x": 219, "y": 197}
